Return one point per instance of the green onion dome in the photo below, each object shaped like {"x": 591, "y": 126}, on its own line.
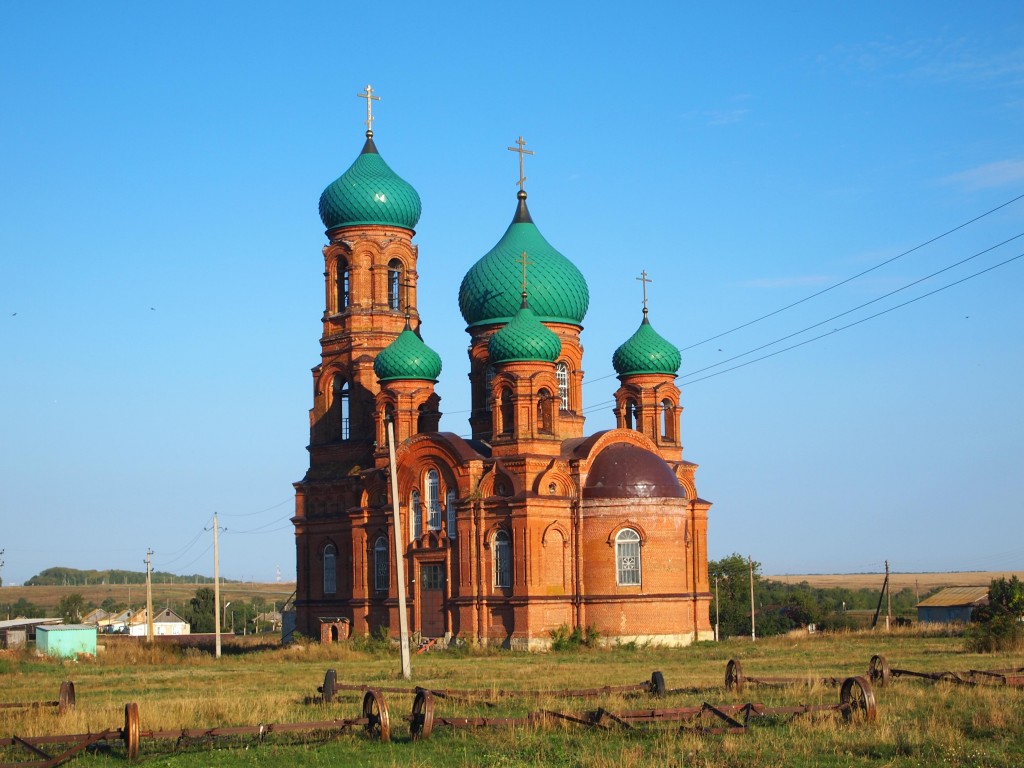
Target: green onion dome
{"x": 407, "y": 357}
{"x": 491, "y": 289}
{"x": 524, "y": 338}
{"x": 646, "y": 351}
{"x": 369, "y": 192}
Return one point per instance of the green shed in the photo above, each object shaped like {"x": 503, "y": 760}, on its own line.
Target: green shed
{"x": 67, "y": 640}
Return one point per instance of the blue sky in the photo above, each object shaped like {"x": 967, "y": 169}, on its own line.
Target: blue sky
{"x": 161, "y": 272}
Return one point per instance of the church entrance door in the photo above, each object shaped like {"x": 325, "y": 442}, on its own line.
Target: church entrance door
{"x": 431, "y": 599}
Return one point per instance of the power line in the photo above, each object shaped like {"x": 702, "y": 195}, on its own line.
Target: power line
{"x": 260, "y": 512}
{"x": 854, "y": 309}
{"x": 858, "y": 322}
{"x": 859, "y": 274}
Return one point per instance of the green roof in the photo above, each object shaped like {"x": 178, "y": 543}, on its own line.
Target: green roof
{"x": 407, "y": 357}
{"x": 491, "y": 290}
{"x": 524, "y": 338}
{"x": 646, "y": 351}
{"x": 369, "y": 192}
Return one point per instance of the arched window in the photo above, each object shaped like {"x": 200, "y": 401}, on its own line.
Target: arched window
{"x": 507, "y": 411}
{"x": 544, "y": 405}
{"x": 433, "y": 500}
{"x": 341, "y": 406}
{"x": 395, "y": 284}
{"x": 417, "y": 515}
{"x": 562, "y": 374}
{"x": 627, "y": 558}
{"x": 453, "y": 520}
{"x": 381, "y": 566}
{"x": 667, "y": 424}
{"x": 502, "y": 548}
{"x": 342, "y": 279}
{"x": 631, "y": 414}
{"x": 330, "y": 569}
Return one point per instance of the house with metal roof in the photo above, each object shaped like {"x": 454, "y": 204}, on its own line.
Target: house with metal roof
{"x": 953, "y": 604}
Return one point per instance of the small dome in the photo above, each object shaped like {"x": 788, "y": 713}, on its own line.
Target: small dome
{"x": 491, "y": 289}
{"x": 524, "y": 337}
{"x": 369, "y": 192}
{"x": 407, "y": 357}
{"x": 626, "y": 471}
{"x": 646, "y": 351}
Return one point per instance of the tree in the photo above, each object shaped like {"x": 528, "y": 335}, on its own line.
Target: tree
{"x": 201, "y": 607}
{"x": 733, "y": 588}
{"x": 997, "y": 626}
{"x": 71, "y": 607}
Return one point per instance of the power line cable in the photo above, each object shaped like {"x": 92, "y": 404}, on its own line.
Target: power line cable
{"x": 859, "y": 274}
{"x": 857, "y": 322}
{"x": 854, "y": 309}
{"x": 260, "y": 512}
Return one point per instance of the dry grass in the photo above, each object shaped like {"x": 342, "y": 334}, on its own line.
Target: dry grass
{"x": 919, "y": 723}
{"x": 920, "y": 581}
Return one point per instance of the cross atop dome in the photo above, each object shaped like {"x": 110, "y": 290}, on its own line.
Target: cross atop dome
{"x": 370, "y": 98}
{"x": 521, "y": 149}
{"x": 644, "y": 280}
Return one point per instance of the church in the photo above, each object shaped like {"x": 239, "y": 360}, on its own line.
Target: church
{"x": 526, "y": 524}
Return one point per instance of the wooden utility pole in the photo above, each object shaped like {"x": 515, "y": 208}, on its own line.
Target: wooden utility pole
{"x": 216, "y": 588}
{"x": 149, "y": 596}
{"x": 888, "y": 599}
{"x": 753, "y": 634}
{"x": 403, "y": 618}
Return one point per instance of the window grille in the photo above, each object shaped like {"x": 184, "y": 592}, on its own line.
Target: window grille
{"x": 627, "y": 557}
{"x": 381, "y": 566}
{"x": 433, "y": 500}
{"x": 502, "y": 560}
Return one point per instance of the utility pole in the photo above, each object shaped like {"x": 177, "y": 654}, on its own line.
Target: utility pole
{"x": 149, "y": 596}
{"x": 216, "y": 588}
{"x": 403, "y": 618}
{"x": 888, "y": 599}
{"x": 716, "y": 608}
{"x": 753, "y": 634}
{"x": 1, "y": 567}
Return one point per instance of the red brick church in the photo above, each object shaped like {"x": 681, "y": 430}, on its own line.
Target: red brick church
{"x": 528, "y": 524}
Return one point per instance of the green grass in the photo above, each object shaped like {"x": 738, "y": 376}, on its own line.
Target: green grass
{"x": 919, "y": 723}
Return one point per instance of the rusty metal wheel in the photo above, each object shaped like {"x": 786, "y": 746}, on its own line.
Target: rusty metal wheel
{"x": 857, "y": 700}
{"x": 375, "y": 710}
{"x": 878, "y": 671}
{"x": 734, "y": 676}
{"x": 130, "y": 734}
{"x": 66, "y": 697}
{"x": 657, "y": 684}
{"x": 330, "y": 685}
{"x": 422, "y": 721}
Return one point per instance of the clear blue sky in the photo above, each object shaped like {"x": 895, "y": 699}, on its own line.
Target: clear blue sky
{"x": 160, "y": 168}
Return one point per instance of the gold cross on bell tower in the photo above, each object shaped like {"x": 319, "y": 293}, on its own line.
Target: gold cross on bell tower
{"x": 370, "y": 98}
{"x": 522, "y": 151}
{"x": 644, "y": 280}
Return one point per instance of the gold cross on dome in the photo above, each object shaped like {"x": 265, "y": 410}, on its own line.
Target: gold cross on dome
{"x": 522, "y": 151}
{"x": 370, "y": 98}
{"x": 525, "y": 262}
{"x": 644, "y": 280}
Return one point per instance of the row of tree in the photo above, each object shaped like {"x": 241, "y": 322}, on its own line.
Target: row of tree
{"x": 780, "y": 607}
{"x": 60, "y": 577}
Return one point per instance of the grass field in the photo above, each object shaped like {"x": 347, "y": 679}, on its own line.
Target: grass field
{"x": 919, "y": 723}
{"x": 134, "y": 595}
{"x": 920, "y": 581}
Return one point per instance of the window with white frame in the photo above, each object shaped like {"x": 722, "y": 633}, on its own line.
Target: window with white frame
{"x": 627, "y": 558}
{"x": 381, "y": 565}
{"x": 562, "y": 375}
{"x": 330, "y": 569}
{"x": 502, "y": 548}
{"x": 417, "y": 515}
{"x": 433, "y": 500}
{"x": 453, "y": 520}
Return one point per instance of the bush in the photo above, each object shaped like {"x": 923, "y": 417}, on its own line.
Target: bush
{"x": 564, "y": 639}
{"x": 997, "y": 626}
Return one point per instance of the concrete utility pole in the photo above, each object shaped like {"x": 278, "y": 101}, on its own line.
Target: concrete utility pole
{"x": 753, "y": 634}
{"x": 216, "y": 588}
{"x": 149, "y": 596}
{"x": 716, "y": 609}
{"x": 403, "y": 618}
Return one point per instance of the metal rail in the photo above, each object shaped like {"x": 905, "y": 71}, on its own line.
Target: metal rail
{"x": 882, "y": 674}
{"x": 65, "y": 700}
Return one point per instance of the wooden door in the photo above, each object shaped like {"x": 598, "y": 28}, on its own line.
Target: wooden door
{"x": 431, "y": 600}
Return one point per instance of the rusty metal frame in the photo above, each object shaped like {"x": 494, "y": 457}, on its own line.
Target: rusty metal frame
{"x": 881, "y": 674}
